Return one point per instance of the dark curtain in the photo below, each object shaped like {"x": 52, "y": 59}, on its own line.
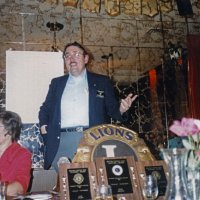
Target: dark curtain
{"x": 193, "y": 44}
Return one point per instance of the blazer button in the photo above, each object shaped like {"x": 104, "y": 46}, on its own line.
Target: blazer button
{"x": 58, "y": 137}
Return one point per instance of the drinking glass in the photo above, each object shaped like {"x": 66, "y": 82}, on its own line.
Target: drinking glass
{"x": 2, "y": 190}
{"x": 104, "y": 192}
{"x": 150, "y": 187}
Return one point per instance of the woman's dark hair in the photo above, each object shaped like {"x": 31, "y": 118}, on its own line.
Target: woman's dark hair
{"x": 12, "y": 123}
{"x": 76, "y": 44}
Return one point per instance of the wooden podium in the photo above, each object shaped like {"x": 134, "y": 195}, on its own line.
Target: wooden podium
{"x": 111, "y": 155}
{"x": 124, "y": 175}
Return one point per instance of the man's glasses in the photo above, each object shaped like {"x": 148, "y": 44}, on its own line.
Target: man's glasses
{"x": 75, "y": 54}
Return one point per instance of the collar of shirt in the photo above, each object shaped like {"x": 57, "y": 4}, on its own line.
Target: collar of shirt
{"x": 74, "y": 79}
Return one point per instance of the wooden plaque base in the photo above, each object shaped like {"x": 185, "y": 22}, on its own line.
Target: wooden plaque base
{"x": 120, "y": 173}
{"x": 77, "y": 181}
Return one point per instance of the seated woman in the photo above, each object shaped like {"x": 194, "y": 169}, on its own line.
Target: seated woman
{"x": 15, "y": 161}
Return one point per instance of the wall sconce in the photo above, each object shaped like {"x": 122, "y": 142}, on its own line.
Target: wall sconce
{"x": 54, "y": 27}
{"x": 109, "y": 60}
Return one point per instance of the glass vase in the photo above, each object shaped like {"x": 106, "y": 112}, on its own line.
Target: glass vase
{"x": 193, "y": 178}
{"x": 176, "y": 188}
{"x": 193, "y": 175}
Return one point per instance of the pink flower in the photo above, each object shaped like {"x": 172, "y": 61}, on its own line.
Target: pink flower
{"x": 189, "y": 128}
{"x": 185, "y": 127}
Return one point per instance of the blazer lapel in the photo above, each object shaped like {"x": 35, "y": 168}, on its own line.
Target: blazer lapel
{"x": 92, "y": 96}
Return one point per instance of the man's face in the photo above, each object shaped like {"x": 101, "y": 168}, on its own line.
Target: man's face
{"x": 75, "y": 60}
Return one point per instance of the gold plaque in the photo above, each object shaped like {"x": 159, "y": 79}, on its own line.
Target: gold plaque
{"x": 110, "y": 140}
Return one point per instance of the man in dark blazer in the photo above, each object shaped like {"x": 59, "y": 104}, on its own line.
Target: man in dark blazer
{"x": 61, "y": 118}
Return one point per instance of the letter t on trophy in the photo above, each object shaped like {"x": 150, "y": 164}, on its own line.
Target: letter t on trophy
{"x": 109, "y": 150}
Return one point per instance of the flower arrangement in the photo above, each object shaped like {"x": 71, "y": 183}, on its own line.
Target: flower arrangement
{"x": 189, "y": 130}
